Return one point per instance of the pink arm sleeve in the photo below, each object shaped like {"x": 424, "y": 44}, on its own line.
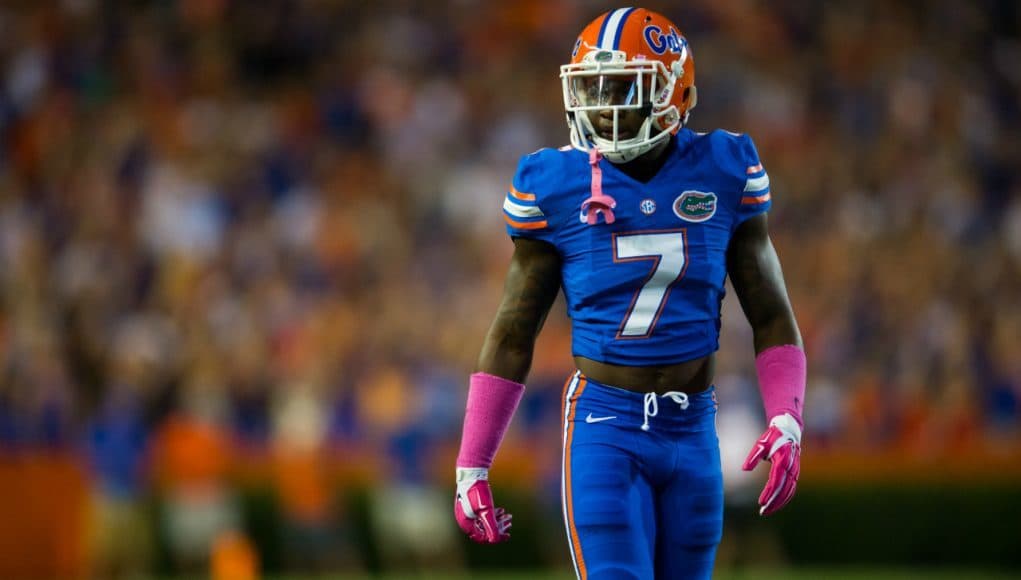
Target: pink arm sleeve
{"x": 782, "y": 371}
{"x": 492, "y": 401}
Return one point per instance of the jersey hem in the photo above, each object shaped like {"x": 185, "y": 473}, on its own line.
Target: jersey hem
{"x": 647, "y": 361}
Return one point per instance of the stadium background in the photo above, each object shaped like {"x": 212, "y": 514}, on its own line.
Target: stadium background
{"x": 248, "y": 252}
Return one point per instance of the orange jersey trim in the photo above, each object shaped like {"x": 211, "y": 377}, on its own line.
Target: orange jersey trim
{"x": 750, "y": 199}
{"x": 754, "y": 169}
{"x": 522, "y": 196}
{"x": 524, "y": 225}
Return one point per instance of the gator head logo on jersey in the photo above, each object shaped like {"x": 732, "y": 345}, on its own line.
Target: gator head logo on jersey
{"x": 636, "y": 65}
{"x": 695, "y": 206}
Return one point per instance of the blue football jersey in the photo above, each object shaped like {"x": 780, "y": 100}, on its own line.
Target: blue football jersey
{"x": 646, "y": 289}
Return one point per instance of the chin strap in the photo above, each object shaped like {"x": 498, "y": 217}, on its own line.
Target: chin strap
{"x": 598, "y": 202}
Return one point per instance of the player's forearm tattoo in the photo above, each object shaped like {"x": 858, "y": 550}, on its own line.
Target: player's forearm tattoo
{"x": 755, "y": 271}
{"x": 532, "y": 283}
{"x": 525, "y": 309}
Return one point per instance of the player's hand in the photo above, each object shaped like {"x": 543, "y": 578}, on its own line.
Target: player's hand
{"x": 474, "y": 509}
{"x": 781, "y": 446}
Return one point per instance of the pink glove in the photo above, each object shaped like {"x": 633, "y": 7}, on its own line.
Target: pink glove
{"x": 474, "y": 509}
{"x": 781, "y": 446}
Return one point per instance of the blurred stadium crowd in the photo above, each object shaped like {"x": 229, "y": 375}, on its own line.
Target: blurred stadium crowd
{"x": 264, "y": 239}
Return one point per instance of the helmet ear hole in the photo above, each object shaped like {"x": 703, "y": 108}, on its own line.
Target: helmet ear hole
{"x": 572, "y": 120}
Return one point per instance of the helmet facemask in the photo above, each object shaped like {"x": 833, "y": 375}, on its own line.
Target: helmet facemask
{"x": 607, "y": 81}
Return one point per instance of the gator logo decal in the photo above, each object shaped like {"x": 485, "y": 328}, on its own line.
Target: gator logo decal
{"x": 695, "y": 206}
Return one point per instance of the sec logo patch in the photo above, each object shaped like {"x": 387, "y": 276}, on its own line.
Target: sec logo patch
{"x": 647, "y": 206}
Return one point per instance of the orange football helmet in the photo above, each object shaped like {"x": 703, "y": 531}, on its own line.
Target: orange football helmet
{"x": 629, "y": 59}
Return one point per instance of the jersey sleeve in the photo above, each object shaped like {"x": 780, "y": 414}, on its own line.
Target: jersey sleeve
{"x": 754, "y": 198}
{"x": 522, "y": 208}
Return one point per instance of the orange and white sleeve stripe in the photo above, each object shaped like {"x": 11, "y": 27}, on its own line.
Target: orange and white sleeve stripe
{"x": 756, "y": 187}
{"x": 520, "y": 210}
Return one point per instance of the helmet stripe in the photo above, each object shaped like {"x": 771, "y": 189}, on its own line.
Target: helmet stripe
{"x": 609, "y": 36}
{"x": 620, "y": 28}
{"x": 602, "y": 29}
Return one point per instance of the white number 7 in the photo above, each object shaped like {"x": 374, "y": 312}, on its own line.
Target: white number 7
{"x": 667, "y": 250}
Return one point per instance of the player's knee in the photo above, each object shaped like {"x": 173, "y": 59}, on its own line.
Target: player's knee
{"x": 602, "y": 519}
{"x": 703, "y": 525}
{"x": 614, "y": 572}
{"x": 702, "y": 536}
{"x": 602, "y": 510}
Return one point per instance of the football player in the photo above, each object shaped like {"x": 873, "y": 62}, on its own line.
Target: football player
{"x": 639, "y": 221}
